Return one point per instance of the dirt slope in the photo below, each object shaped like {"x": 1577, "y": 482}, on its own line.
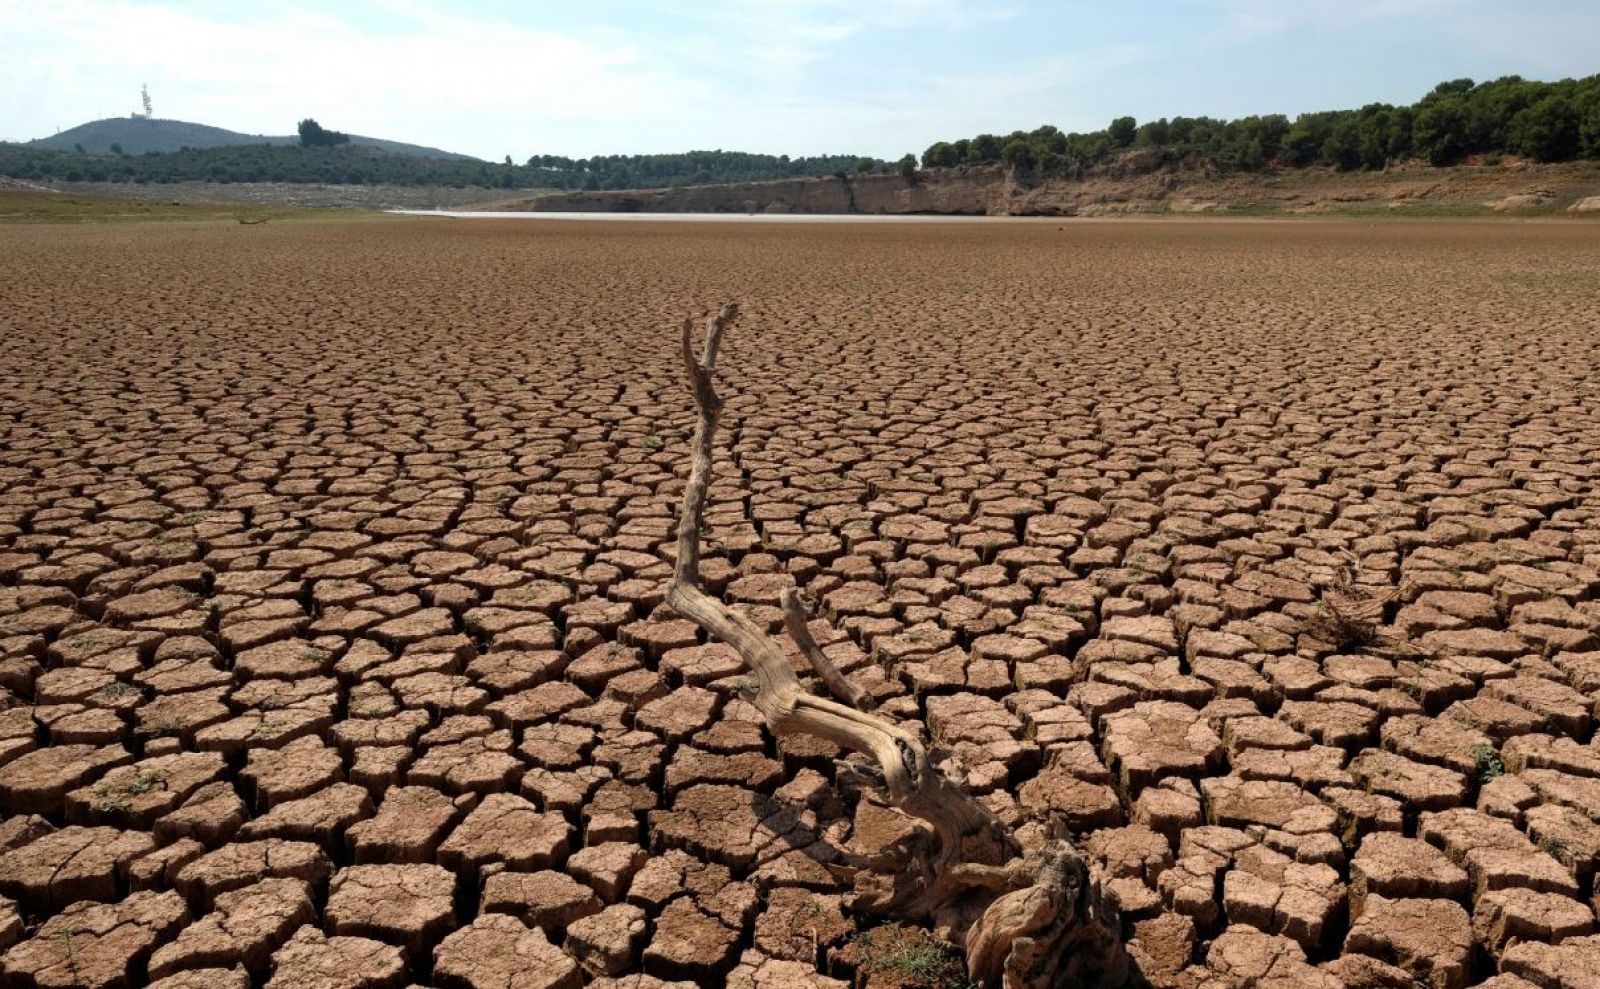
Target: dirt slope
{"x": 993, "y": 191}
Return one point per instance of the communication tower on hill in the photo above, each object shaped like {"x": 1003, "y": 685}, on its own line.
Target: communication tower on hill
{"x": 144, "y": 95}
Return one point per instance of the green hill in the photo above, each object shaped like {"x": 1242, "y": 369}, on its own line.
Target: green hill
{"x": 357, "y": 163}
{"x": 136, "y": 136}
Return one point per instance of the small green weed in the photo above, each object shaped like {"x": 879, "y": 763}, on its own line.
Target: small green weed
{"x": 1486, "y": 764}
{"x": 1553, "y": 845}
{"x": 146, "y": 781}
{"x": 71, "y": 946}
{"x": 118, "y": 798}
{"x": 910, "y": 953}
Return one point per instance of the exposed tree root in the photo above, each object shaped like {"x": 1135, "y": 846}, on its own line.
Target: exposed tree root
{"x": 1036, "y": 920}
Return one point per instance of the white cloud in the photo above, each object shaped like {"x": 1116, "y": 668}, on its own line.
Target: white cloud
{"x": 467, "y": 83}
{"x": 784, "y": 76}
{"x": 730, "y": 73}
{"x": 1240, "y": 20}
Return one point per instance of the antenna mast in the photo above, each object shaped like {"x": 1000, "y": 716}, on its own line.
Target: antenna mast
{"x": 144, "y": 94}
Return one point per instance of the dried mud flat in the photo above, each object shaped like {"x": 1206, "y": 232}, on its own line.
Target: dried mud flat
{"x": 331, "y": 561}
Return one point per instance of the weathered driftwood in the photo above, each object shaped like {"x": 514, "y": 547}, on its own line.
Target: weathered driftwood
{"x": 1030, "y": 920}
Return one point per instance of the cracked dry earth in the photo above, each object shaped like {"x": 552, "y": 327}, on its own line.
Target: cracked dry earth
{"x": 332, "y": 558}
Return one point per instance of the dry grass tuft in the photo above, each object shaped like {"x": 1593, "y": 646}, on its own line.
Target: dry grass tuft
{"x": 1350, "y": 615}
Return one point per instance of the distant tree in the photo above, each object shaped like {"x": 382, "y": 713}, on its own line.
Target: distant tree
{"x": 1588, "y": 110}
{"x": 1400, "y": 120}
{"x": 907, "y": 166}
{"x": 1122, "y": 131}
{"x": 1089, "y": 147}
{"x": 1547, "y": 130}
{"x": 1252, "y": 157}
{"x": 1204, "y": 133}
{"x": 941, "y": 154}
{"x": 1439, "y": 131}
{"x": 1372, "y": 139}
{"x": 116, "y": 148}
{"x": 985, "y": 149}
{"x": 1454, "y": 89}
{"x": 1269, "y": 130}
{"x": 312, "y": 135}
{"x": 1491, "y": 107}
{"x": 78, "y": 147}
{"x": 864, "y": 165}
{"x": 1018, "y": 153}
{"x": 1342, "y": 149}
{"x": 1153, "y": 134}
{"x": 1047, "y": 141}
{"x": 1304, "y": 139}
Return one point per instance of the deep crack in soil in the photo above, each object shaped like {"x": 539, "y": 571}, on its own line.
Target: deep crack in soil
{"x": 332, "y": 555}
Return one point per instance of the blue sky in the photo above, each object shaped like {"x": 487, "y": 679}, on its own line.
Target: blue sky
{"x": 879, "y": 77}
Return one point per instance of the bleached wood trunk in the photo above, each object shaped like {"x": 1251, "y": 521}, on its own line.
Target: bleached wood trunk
{"x": 1034, "y": 920}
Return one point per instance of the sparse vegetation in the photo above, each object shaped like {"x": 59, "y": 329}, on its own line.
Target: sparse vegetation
{"x": 1553, "y": 845}
{"x": 1348, "y": 615}
{"x": 117, "y": 798}
{"x": 912, "y": 955}
{"x": 69, "y": 943}
{"x": 1486, "y": 764}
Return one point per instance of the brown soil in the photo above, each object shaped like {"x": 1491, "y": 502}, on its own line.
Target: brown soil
{"x": 331, "y": 555}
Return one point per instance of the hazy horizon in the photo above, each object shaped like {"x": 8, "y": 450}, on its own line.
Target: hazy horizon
{"x": 797, "y": 78}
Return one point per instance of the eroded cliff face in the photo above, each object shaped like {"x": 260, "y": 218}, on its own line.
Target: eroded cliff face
{"x": 995, "y": 191}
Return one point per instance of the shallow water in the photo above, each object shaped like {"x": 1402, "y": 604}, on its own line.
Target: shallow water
{"x": 724, "y": 217}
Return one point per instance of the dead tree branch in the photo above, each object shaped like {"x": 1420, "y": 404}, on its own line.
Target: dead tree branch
{"x": 795, "y": 622}
{"x": 1025, "y": 921}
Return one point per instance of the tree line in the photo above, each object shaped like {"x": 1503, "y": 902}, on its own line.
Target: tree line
{"x": 1544, "y": 121}
{"x": 328, "y": 157}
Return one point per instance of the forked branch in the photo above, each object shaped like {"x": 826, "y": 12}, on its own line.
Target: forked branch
{"x": 787, "y": 706}
{"x": 1025, "y": 921}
